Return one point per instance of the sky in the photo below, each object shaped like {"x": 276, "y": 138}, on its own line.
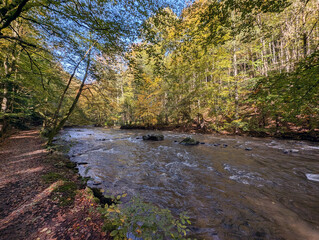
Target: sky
{"x": 127, "y": 17}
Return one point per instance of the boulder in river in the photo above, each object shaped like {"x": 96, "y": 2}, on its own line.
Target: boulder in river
{"x": 189, "y": 141}
{"x": 95, "y": 183}
{"x": 154, "y": 137}
{"x": 82, "y": 163}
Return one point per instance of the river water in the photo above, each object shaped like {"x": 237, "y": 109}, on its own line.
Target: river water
{"x": 231, "y": 187}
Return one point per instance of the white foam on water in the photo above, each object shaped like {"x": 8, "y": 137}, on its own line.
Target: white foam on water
{"x": 111, "y": 150}
{"x": 168, "y": 164}
{"x": 311, "y": 147}
{"x": 189, "y": 164}
{"x": 184, "y": 163}
{"x": 183, "y": 156}
{"x": 132, "y": 139}
{"x": 312, "y": 177}
{"x": 227, "y": 167}
{"x": 239, "y": 179}
{"x": 179, "y": 155}
{"x": 242, "y": 176}
{"x": 163, "y": 148}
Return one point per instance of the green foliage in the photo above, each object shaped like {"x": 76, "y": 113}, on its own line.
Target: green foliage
{"x": 37, "y": 36}
{"x": 240, "y": 69}
{"x": 228, "y": 65}
{"x": 52, "y": 177}
{"x": 141, "y": 220}
{"x": 65, "y": 193}
{"x": 293, "y": 96}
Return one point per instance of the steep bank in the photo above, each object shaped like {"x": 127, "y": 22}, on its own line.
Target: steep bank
{"x": 41, "y": 196}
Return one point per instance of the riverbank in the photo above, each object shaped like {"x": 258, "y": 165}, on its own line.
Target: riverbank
{"x": 41, "y": 194}
{"x": 292, "y": 135}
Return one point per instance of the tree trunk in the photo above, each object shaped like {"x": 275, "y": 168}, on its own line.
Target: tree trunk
{"x": 7, "y": 70}
{"x": 236, "y": 86}
{"x": 59, "y": 126}
{"x": 55, "y": 118}
{"x": 4, "y": 99}
{"x": 305, "y": 44}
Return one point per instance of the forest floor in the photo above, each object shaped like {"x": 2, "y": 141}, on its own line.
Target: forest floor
{"x": 40, "y": 196}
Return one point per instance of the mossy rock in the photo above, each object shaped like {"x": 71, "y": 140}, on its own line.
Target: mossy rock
{"x": 189, "y": 141}
{"x": 70, "y": 164}
{"x": 83, "y": 181}
{"x": 99, "y": 195}
{"x": 154, "y": 137}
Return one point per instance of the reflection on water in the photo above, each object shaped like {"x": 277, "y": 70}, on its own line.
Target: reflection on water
{"x": 231, "y": 187}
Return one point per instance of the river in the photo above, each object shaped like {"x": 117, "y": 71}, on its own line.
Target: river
{"x": 231, "y": 187}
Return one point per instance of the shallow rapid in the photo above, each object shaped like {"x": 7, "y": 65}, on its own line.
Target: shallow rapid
{"x": 231, "y": 187}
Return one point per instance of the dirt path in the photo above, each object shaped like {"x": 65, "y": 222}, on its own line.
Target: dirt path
{"x": 27, "y": 209}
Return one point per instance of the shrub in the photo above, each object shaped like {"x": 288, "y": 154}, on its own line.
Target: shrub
{"x": 137, "y": 219}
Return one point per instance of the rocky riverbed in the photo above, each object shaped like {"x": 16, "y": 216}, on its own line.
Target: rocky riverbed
{"x": 231, "y": 187}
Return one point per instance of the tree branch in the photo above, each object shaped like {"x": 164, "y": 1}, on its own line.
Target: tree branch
{"x": 36, "y": 65}
{"x": 19, "y": 40}
{"x": 14, "y": 16}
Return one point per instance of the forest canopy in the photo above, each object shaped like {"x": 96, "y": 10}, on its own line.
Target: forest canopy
{"x": 227, "y": 66}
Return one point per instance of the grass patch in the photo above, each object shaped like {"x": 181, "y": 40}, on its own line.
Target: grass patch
{"x": 52, "y": 177}
{"x": 65, "y": 163}
{"x": 65, "y": 193}
{"x": 70, "y": 164}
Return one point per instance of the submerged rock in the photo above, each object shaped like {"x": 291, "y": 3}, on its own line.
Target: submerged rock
{"x": 154, "y": 137}
{"x": 248, "y": 149}
{"x": 70, "y": 164}
{"x": 294, "y": 151}
{"x": 95, "y": 183}
{"x": 286, "y": 151}
{"x": 82, "y": 163}
{"x": 189, "y": 141}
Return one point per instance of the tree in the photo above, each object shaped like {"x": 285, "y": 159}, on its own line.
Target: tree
{"x": 66, "y": 28}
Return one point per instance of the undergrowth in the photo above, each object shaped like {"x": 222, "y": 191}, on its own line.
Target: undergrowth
{"x": 52, "y": 177}
{"x": 65, "y": 193}
{"x": 140, "y": 220}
